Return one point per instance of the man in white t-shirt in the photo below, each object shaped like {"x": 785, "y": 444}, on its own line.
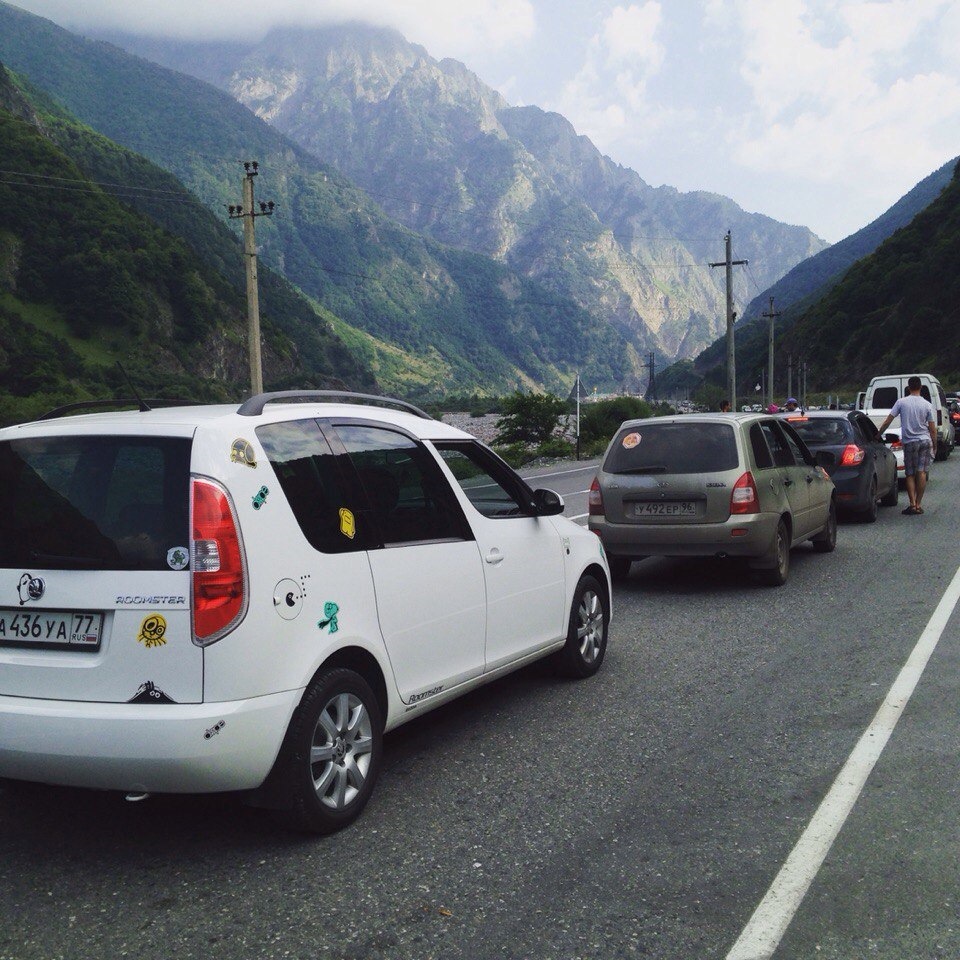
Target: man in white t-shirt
{"x": 919, "y": 435}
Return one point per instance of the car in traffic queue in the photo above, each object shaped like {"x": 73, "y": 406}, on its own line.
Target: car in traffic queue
{"x": 861, "y": 464}
{"x": 724, "y": 485}
{"x": 245, "y": 598}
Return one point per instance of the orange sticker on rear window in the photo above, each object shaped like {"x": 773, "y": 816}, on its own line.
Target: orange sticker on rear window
{"x": 631, "y": 440}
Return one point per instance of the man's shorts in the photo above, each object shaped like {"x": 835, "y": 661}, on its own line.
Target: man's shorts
{"x": 917, "y": 456}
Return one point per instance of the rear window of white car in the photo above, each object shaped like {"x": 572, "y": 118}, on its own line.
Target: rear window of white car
{"x": 679, "y": 447}
{"x": 94, "y": 502}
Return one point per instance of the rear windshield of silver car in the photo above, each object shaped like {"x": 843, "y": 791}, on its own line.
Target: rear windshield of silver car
{"x": 679, "y": 447}
{"x": 95, "y": 503}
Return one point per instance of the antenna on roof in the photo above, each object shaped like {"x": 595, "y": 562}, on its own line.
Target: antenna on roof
{"x": 144, "y": 408}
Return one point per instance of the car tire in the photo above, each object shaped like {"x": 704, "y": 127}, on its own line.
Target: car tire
{"x": 776, "y": 576}
{"x": 942, "y": 452}
{"x": 335, "y": 749}
{"x": 893, "y": 494}
{"x": 619, "y": 568}
{"x": 870, "y": 513}
{"x": 826, "y": 540}
{"x": 586, "y": 644}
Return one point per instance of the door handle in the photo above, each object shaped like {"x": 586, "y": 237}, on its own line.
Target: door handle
{"x": 810, "y": 478}
{"x": 788, "y": 483}
{"x": 494, "y": 557}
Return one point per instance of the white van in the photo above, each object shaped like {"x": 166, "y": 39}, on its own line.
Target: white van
{"x": 883, "y": 392}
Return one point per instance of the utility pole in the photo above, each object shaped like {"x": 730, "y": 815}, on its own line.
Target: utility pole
{"x": 248, "y": 212}
{"x": 731, "y": 316}
{"x": 651, "y": 365}
{"x": 789, "y": 374}
{"x": 772, "y": 315}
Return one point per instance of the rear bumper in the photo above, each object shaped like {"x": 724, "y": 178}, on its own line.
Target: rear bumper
{"x": 750, "y": 535}
{"x": 153, "y": 748}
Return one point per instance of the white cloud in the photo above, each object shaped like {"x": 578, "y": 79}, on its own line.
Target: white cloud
{"x": 444, "y": 27}
{"x": 608, "y": 95}
{"x": 840, "y": 100}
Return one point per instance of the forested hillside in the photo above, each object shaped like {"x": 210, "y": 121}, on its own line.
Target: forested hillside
{"x": 85, "y": 281}
{"x": 897, "y": 309}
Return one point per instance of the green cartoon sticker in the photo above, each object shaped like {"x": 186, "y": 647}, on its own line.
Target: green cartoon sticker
{"x": 330, "y": 611}
{"x": 260, "y": 498}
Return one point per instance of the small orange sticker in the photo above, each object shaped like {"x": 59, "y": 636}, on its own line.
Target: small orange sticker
{"x": 631, "y": 440}
{"x": 348, "y": 526}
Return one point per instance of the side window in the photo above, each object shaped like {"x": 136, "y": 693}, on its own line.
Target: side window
{"x": 798, "y": 449}
{"x": 782, "y": 455}
{"x": 868, "y": 429}
{"x": 884, "y": 398}
{"x": 492, "y": 489}
{"x": 761, "y": 452}
{"x": 313, "y": 485}
{"x": 924, "y": 392}
{"x": 410, "y": 499}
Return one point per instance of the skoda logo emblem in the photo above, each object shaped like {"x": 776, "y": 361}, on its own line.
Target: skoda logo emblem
{"x": 30, "y": 588}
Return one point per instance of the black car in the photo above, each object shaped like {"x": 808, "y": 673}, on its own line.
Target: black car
{"x": 864, "y": 470}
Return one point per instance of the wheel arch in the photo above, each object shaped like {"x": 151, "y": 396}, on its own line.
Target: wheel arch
{"x": 275, "y": 790}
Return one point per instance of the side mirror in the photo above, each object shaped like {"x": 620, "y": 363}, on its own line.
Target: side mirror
{"x": 825, "y": 458}
{"x": 546, "y": 503}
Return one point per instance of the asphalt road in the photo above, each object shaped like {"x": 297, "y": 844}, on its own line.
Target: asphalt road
{"x": 641, "y": 813}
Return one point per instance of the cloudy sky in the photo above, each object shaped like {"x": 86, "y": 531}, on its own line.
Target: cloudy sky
{"x": 815, "y": 112}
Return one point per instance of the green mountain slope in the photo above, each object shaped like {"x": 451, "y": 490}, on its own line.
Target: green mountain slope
{"x": 448, "y": 156}
{"x": 811, "y": 276}
{"x": 895, "y": 309}
{"x": 486, "y": 327}
{"x": 85, "y": 281}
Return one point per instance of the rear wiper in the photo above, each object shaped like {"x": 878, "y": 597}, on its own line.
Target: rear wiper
{"x": 655, "y": 469}
{"x": 64, "y": 561}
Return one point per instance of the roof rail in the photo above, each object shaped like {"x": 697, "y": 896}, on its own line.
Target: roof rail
{"x": 254, "y": 406}
{"x": 144, "y": 406}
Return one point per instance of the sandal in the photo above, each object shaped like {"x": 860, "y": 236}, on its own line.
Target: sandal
{"x": 910, "y": 511}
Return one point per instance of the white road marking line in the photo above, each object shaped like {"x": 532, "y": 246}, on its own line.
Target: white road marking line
{"x": 560, "y": 473}
{"x": 579, "y": 516}
{"x": 770, "y": 920}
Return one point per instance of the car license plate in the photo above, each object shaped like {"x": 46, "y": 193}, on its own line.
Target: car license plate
{"x": 57, "y": 629}
{"x": 660, "y": 508}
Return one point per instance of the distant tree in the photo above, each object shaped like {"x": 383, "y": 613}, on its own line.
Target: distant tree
{"x": 599, "y": 421}
{"x": 529, "y": 418}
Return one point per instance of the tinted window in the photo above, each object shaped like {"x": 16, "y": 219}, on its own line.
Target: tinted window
{"x": 686, "y": 447}
{"x": 824, "y": 431}
{"x": 884, "y": 397}
{"x": 94, "y": 503}
{"x": 491, "y": 488}
{"x": 314, "y": 487}
{"x": 801, "y": 455}
{"x": 761, "y": 453}
{"x": 782, "y": 455}
{"x": 410, "y": 499}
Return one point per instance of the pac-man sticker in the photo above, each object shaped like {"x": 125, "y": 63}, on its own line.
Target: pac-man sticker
{"x": 631, "y": 440}
{"x": 330, "y": 612}
{"x": 260, "y": 498}
{"x": 178, "y": 558}
{"x": 242, "y": 452}
{"x": 288, "y": 599}
{"x": 152, "y": 631}
{"x": 348, "y": 526}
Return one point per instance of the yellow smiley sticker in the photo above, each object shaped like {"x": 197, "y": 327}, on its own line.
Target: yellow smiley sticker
{"x": 631, "y": 440}
{"x": 152, "y": 631}
{"x": 348, "y": 526}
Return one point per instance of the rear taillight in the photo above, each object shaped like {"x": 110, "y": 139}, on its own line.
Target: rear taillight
{"x": 896, "y": 445}
{"x": 744, "y": 497}
{"x": 852, "y": 455}
{"x": 219, "y": 569}
{"x": 595, "y": 500}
